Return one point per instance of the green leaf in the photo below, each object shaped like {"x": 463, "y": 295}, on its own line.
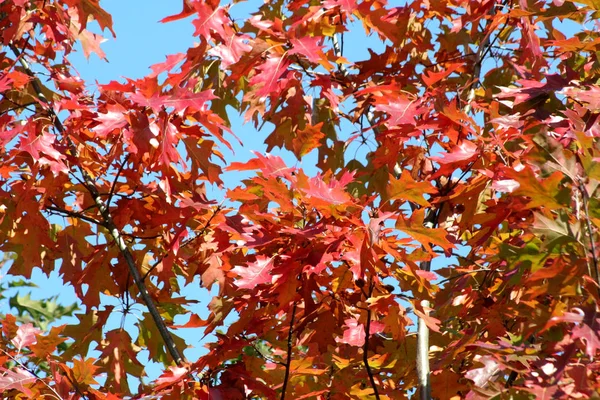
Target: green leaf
{"x": 557, "y": 231}
{"x": 42, "y": 312}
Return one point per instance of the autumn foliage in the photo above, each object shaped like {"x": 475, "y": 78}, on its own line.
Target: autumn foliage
{"x": 457, "y": 191}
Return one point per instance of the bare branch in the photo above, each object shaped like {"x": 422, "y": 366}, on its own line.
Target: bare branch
{"x": 72, "y": 214}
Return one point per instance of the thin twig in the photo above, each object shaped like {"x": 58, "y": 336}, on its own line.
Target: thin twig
{"x": 187, "y": 242}
{"x": 73, "y": 214}
{"x": 75, "y": 386}
{"x": 366, "y": 347}
{"x": 36, "y": 376}
{"x": 462, "y": 274}
{"x": 288, "y": 361}
{"x": 590, "y": 232}
{"x": 114, "y": 184}
{"x": 131, "y": 235}
{"x": 17, "y": 106}
{"x": 259, "y": 352}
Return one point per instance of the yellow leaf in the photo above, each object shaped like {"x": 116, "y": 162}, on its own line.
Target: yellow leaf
{"x": 305, "y": 366}
{"x": 406, "y": 188}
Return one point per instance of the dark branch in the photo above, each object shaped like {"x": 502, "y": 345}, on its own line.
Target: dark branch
{"x": 187, "y": 242}
{"x": 108, "y": 223}
{"x": 366, "y": 347}
{"x": 114, "y": 184}
{"x": 288, "y": 361}
{"x": 72, "y": 214}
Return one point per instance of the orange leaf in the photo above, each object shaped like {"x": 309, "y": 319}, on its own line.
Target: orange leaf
{"x": 426, "y": 236}
{"x": 47, "y": 344}
{"x": 84, "y": 371}
{"x": 406, "y": 188}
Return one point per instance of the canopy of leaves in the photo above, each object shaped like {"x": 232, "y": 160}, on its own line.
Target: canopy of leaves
{"x": 468, "y": 138}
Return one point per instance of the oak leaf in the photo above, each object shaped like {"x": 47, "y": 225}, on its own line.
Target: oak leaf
{"x": 16, "y": 378}
{"x": 26, "y": 336}
{"x": 255, "y": 273}
{"x": 354, "y": 334}
{"x": 406, "y": 188}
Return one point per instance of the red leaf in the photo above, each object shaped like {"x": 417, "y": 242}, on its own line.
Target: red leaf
{"x": 167, "y": 145}
{"x": 268, "y": 164}
{"x": 91, "y": 8}
{"x": 46, "y": 345}
{"x": 90, "y": 43}
{"x": 256, "y": 273}
{"x": 430, "y": 276}
{"x": 543, "y": 192}
{"x": 376, "y": 327}
{"x": 180, "y": 100}
{"x": 5, "y": 83}
{"x": 186, "y": 12}
{"x": 113, "y": 119}
{"x": 354, "y": 335}
{"x": 406, "y": 188}
{"x": 505, "y": 185}
{"x": 308, "y": 47}
{"x": 463, "y": 152}
{"x": 332, "y": 193}
{"x": 347, "y": 6}
{"x": 232, "y": 50}
{"x": 41, "y": 148}
{"x": 307, "y": 140}
{"x": 171, "y": 376}
{"x": 267, "y": 78}
{"x": 430, "y": 78}
{"x": 169, "y": 64}
{"x": 590, "y": 96}
{"x": 401, "y": 110}
{"x": 431, "y": 322}
{"x": 184, "y": 99}
{"x": 25, "y": 336}
{"x": 426, "y": 236}
{"x": 194, "y": 322}
{"x": 15, "y": 379}
{"x": 210, "y": 20}
{"x": 589, "y": 337}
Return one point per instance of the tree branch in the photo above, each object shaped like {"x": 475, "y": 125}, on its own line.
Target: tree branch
{"x": 73, "y": 214}
{"x": 32, "y": 372}
{"x": 288, "y": 361}
{"x": 590, "y": 232}
{"x": 187, "y": 242}
{"x": 366, "y": 347}
{"x": 108, "y": 222}
{"x": 114, "y": 184}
